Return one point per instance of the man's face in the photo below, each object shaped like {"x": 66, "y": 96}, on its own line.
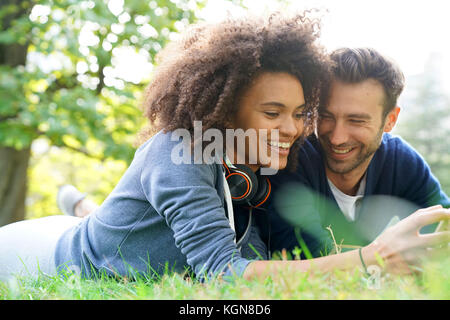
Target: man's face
{"x": 351, "y": 126}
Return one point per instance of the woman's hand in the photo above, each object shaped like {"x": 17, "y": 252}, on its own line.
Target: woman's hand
{"x": 402, "y": 246}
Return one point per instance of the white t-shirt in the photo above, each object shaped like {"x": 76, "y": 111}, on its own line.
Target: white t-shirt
{"x": 349, "y": 204}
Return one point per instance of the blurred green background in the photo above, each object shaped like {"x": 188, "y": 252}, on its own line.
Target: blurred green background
{"x": 72, "y": 75}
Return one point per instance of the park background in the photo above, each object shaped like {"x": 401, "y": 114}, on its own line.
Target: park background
{"x": 72, "y": 75}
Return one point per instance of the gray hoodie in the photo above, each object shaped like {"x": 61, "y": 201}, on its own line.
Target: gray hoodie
{"x": 161, "y": 216}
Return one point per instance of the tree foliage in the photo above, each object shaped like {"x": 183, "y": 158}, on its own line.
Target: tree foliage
{"x": 71, "y": 89}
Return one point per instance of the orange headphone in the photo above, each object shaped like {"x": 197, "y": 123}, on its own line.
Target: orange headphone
{"x": 246, "y": 187}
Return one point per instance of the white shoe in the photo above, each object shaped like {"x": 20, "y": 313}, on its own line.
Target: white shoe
{"x": 68, "y": 196}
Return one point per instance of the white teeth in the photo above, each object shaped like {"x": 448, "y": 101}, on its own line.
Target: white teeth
{"x": 341, "y": 151}
{"x": 285, "y": 145}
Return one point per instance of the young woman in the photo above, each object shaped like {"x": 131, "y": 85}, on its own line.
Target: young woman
{"x": 265, "y": 76}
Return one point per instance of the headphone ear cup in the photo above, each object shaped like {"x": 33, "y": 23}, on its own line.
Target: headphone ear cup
{"x": 243, "y": 184}
{"x": 262, "y": 193}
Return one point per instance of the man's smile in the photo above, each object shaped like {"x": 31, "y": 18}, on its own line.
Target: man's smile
{"x": 340, "y": 153}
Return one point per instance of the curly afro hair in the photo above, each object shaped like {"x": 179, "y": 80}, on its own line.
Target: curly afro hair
{"x": 201, "y": 76}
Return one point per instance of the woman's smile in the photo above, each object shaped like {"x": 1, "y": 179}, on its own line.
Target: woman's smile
{"x": 282, "y": 148}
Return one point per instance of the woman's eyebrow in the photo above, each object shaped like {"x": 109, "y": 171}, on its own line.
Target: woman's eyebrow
{"x": 279, "y": 104}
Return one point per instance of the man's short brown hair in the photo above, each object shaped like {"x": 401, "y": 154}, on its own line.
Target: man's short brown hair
{"x": 354, "y": 65}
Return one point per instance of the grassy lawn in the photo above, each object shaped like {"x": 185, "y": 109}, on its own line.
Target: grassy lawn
{"x": 432, "y": 283}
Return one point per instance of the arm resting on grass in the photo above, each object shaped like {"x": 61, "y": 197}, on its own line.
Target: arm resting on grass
{"x": 342, "y": 261}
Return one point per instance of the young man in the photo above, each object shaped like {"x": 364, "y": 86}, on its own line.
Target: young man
{"x": 353, "y": 176}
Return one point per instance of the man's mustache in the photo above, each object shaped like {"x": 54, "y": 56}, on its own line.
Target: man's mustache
{"x": 339, "y": 146}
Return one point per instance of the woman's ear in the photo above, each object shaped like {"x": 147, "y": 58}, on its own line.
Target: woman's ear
{"x": 391, "y": 119}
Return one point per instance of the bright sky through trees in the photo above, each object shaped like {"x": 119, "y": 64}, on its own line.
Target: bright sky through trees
{"x": 408, "y": 31}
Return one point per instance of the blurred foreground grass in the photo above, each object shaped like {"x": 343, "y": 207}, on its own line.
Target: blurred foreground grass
{"x": 432, "y": 283}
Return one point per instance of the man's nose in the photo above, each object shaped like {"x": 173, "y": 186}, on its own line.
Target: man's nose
{"x": 338, "y": 134}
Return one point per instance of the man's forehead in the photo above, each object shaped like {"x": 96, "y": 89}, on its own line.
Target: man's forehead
{"x": 366, "y": 97}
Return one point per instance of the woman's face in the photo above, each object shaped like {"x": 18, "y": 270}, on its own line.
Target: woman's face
{"x": 273, "y": 103}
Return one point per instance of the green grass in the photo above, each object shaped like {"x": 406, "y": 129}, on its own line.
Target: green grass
{"x": 432, "y": 283}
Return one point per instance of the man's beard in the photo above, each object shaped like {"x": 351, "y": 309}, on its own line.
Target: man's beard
{"x": 365, "y": 152}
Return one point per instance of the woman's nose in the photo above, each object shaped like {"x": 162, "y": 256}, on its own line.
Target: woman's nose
{"x": 291, "y": 127}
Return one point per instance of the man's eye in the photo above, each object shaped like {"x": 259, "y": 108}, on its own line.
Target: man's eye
{"x": 324, "y": 117}
{"x": 357, "y": 121}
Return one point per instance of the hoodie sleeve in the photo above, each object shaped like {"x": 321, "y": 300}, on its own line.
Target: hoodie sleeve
{"x": 185, "y": 195}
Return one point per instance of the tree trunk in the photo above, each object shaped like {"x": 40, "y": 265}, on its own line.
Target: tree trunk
{"x": 13, "y": 184}
{"x": 13, "y": 163}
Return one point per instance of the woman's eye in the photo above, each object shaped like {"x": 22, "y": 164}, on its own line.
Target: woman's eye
{"x": 271, "y": 114}
{"x": 303, "y": 115}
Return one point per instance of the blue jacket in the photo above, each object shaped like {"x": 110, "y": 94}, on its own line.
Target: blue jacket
{"x": 399, "y": 181}
{"x": 161, "y": 216}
